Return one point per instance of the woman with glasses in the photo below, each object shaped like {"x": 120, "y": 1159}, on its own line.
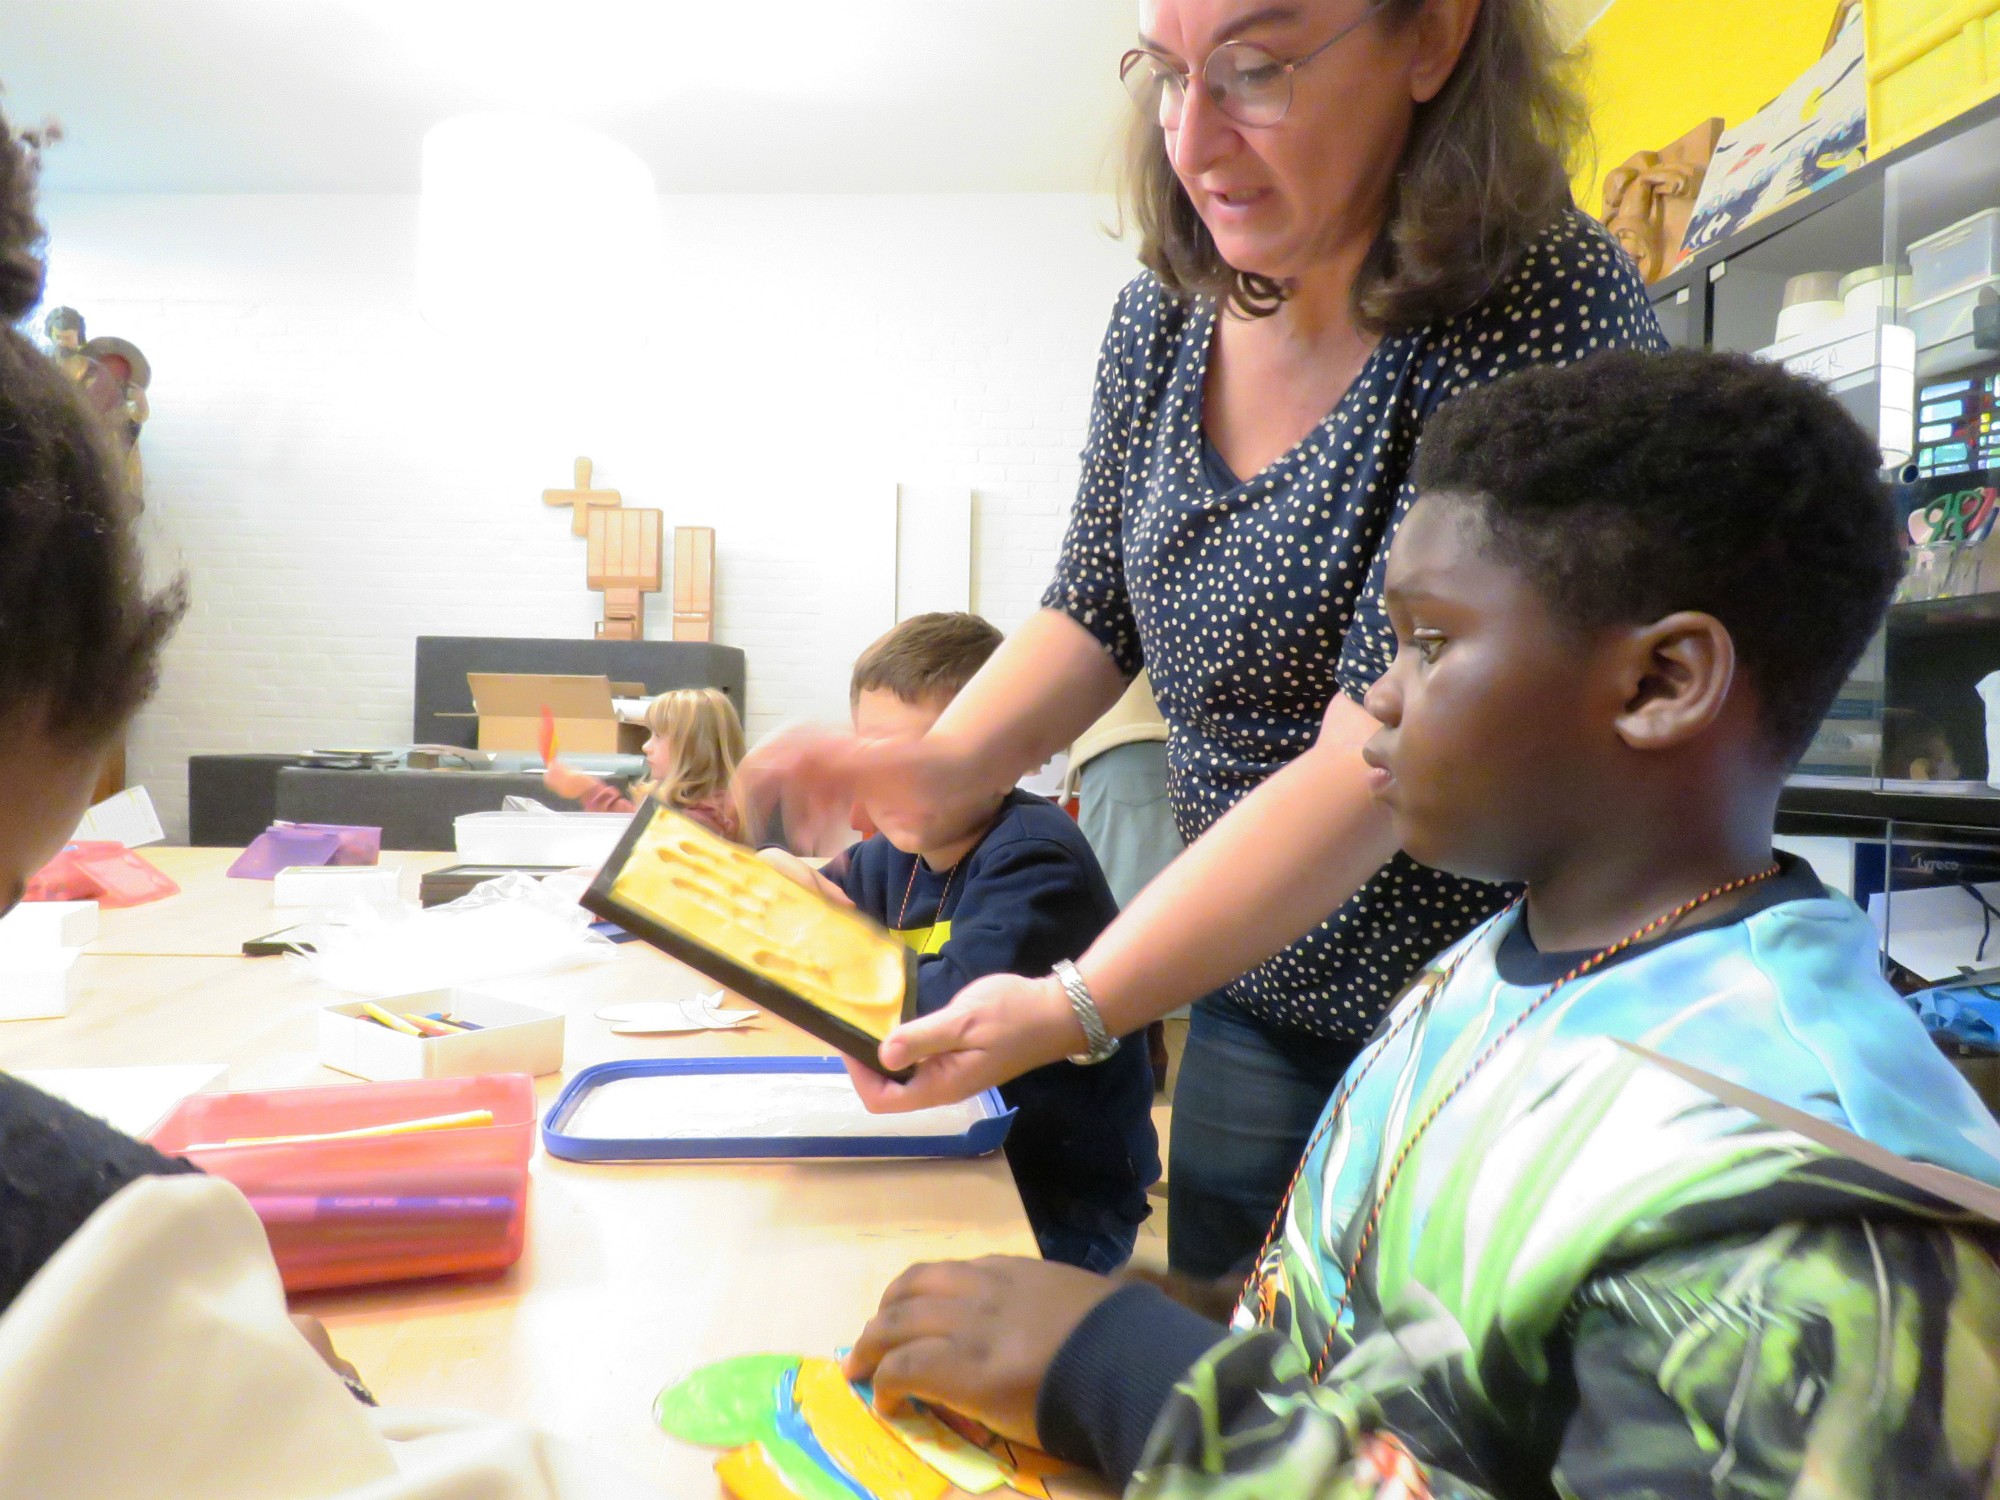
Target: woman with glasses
{"x": 1348, "y": 213}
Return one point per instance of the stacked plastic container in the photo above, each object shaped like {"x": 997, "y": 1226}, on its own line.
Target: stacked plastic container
{"x": 1954, "y": 271}
{"x": 1928, "y": 61}
{"x": 374, "y": 1208}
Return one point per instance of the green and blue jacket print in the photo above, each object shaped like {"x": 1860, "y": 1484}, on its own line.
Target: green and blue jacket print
{"x": 1591, "y": 1278}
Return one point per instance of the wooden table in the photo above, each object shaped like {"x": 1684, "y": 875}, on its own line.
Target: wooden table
{"x": 214, "y": 915}
{"x": 634, "y": 1274}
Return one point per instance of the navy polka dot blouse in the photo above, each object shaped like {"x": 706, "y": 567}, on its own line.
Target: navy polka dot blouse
{"x": 1254, "y": 602}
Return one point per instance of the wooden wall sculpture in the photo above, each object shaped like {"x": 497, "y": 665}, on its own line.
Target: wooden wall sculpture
{"x": 1648, "y": 201}
{"x": 625, "y": 566}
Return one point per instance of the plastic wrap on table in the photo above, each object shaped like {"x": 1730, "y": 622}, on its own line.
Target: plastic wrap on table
{"x": 1968, "y": 1014}
{"x": 510, "y": 928}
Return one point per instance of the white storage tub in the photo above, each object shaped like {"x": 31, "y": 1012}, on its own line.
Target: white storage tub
{"x": 336, "y": 885}
{"x": 49, "y": 924}
{"x": 1953, "y": 259}
{"x": 1949, "y": 317}
{"x": 36, "y": 984}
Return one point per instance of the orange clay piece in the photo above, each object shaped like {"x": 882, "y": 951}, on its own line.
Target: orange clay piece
{"x": 859, "y": 1441}
{"x": 749, "y": 1474}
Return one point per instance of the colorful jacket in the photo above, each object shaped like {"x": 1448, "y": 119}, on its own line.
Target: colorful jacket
{"x": 1590, "y": 1278}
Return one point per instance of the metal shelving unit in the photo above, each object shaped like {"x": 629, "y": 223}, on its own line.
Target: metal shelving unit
{"x": 1916, "y": 686}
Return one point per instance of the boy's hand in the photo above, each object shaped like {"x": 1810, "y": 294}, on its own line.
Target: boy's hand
{"x": 994, "y": 1030}
{"x": 976, "y": 1336}
{"x": 788, "y": 865}
{"x": 800, "y": 873}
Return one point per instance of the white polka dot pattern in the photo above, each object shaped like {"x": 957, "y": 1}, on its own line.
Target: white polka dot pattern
{"x": 1254, "y": 604}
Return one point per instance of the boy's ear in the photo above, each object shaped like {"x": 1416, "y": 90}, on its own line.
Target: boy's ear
{"x": 1675, "y": 678}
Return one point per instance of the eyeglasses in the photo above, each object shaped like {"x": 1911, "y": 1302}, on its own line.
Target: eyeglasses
{"x": 1248, "y": 83}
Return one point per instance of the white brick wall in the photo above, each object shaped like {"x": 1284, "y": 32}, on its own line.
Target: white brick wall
{"x": 337, "y": 479}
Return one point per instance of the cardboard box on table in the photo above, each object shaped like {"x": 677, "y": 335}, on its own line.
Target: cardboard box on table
{"x": 509, "y": 708}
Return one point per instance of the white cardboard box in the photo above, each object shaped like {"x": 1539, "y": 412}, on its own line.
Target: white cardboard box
{"x": 562, "y": 839}
{"x": 36, "y": 983}
{"x": 336, "y": 885}
{"x": 514, "y": 1038}
{"x": 49, "y": 924}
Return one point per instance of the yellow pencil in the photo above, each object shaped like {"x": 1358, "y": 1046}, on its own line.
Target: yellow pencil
{"x": 464, "y": 1120}
{"x": 375, "y": 1012}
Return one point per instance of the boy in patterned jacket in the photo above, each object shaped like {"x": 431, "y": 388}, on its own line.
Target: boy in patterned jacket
{"x": 1527, "y": 1254}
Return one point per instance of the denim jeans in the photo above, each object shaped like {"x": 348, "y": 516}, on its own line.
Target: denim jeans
{"x": 1101, "y": 1250}
{"x": 1245, "y": 1102}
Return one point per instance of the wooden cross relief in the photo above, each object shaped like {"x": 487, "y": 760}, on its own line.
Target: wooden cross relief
{"x": 624, "y": 565}
{"x": 582, "y": 499}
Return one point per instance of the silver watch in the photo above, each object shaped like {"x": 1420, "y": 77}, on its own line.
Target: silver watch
{"x": 1102, "y": 1043}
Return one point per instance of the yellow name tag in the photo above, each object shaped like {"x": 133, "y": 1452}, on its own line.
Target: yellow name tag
{"x": 927, "y": 939}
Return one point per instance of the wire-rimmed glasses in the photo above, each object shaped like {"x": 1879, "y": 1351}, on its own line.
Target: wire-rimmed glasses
{"x": 1248, "y": 83}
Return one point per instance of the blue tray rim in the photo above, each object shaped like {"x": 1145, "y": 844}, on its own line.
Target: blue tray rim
{"x": 981, "y": 1139}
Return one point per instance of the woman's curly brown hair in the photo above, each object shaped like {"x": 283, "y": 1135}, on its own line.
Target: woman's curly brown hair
{"x": 1484, "y": 173}
{"x": 80, "y": 633}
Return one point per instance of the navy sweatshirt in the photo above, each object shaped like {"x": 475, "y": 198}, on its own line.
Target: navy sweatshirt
{"x": 1082, "y": 1146}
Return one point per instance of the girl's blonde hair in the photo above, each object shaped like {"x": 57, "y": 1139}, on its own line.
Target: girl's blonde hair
{"x": 701, "y": 725}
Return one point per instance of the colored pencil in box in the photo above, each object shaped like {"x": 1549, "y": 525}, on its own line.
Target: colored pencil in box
{"x": 433, "y": 1026}
{"x": 382, "y": 1017}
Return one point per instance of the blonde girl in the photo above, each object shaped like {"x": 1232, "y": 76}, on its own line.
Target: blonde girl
{"x": 695, "y": 744}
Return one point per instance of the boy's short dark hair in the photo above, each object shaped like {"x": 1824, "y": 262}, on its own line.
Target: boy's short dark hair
{"x": 926, "y": 657}
{"x": 1632, "y": 485}
{"x": 80, "y": 632}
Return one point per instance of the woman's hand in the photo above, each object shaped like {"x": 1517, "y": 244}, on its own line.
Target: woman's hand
{"x": 976, "y": 1336}
{"x": 824, "y": 783}
{"x": 994, "y": 1030}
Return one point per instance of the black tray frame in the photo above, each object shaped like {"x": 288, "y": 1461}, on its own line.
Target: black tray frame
{"x": 787, "y": 1004}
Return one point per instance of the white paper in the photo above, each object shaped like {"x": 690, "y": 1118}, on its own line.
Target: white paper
{"x": 128, "y": 818}
{"x": 514, "y": 927}
{"x": 133, "y": 1100}
{"x": 752, "y": 1106}
{"x": 1935, "y": 933}
{"x": 631, "y": 710}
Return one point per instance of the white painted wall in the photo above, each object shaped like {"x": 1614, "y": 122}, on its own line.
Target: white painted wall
{"x": 336, "y": 479}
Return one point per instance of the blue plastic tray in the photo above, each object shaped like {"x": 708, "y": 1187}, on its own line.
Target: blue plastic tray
{"x": 983, "y": 1136}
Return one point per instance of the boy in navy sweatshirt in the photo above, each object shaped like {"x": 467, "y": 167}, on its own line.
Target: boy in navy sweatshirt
{"x": 1012, "y": 898}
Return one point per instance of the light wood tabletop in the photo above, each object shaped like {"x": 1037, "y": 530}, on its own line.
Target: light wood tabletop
{"x": 634, "y": 1274}
{"x": 214, "y": 915}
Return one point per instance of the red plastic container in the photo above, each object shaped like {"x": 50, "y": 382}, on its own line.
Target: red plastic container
{"x": 382, "y": 1208}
